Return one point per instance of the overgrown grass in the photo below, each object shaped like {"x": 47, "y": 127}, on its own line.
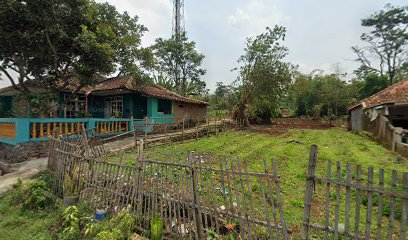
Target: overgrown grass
{"x": 292, "y": 159}
{"x": 16, "y": 223}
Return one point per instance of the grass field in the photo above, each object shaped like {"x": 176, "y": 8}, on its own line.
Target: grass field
{"x": 291, "y": 152}
{"x": 24, "y": 225}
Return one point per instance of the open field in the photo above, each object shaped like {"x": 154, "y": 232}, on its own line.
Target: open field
{"x": 291, "y": 150}
{"x": 289, "y": 147}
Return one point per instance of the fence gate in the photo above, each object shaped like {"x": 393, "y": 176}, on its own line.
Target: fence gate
{"x": 354, "y": 203}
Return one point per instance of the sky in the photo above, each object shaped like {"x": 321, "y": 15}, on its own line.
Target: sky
{"x": 320, "y": 33}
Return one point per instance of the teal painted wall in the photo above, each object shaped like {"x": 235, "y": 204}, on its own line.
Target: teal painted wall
{"x": 165, "y": 106}
{"x": 139, "y": 106}
{"x": 152, "y": 107}
{"x": 96, "y": 106}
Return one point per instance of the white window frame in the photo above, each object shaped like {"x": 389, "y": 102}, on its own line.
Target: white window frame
{"x": 73, "y": 106}
{"x": 115, "y": 103}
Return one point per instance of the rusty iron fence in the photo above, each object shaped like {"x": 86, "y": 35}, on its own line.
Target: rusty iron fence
{"x": 371, "y": 204}
{"x": 198, "y": 196}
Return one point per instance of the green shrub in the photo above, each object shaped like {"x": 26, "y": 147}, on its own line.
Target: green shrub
{"x": 48, "y": 177}
{"x": 124, "y": 222}
{"x": 115, "y": 234}
{"x": 17, "y": 192}
{"x": 78, "y": 223}
{"x": 37, "y": 196}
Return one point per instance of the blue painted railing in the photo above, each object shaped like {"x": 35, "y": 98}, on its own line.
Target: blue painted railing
{"x": 22, "y": 130}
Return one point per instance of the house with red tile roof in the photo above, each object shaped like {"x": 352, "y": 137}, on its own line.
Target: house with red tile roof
{"x": 118, "y": 96}
{"x": 385, "y": 114}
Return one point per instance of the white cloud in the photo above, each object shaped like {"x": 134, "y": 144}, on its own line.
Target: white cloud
{"x": 256, "y": 15}
{"x": 155, "y": 15}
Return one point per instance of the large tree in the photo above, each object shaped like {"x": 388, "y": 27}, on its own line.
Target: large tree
{"x": 386, "y": 52}
{"x": 56, "y": 39}
{"x": 317, "y": 94}
{"x": 178, "y": 65}
{"x": 264, "y": 76}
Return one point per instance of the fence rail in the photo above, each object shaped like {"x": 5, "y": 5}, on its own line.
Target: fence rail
{"x": 358, "y": 204}
{"x": 196, "y": 195}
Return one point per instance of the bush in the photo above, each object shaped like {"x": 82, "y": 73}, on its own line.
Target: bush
{"x": 78, "y": 223}
{"x": 37, "y": 196}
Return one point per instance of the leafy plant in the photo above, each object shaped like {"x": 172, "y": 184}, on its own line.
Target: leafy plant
{"x": 109, "y": 235}
{"x": 70, "y": 186}
{"x": 156, "y": 228}
{"x": 124, "y": 221}
{"x": 17, "y": 192}
{"x": 71, "y": 222}
{"x": 34, "y": 104}
{"x": 37, "y": 196}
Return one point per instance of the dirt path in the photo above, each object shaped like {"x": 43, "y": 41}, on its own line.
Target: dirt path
{"x": 281, "y": 126}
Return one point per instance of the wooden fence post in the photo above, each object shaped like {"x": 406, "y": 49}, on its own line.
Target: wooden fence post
{"x": 197, "y": 212}
{"x": 198, "y": 121}
{"x": 85, "y": 141}
{"x": 182, "y": 132}
{"x": 216, "y": 127}
{"x": 208, "y": 127}
{"x": 310, "y": 184}
{"x": 165, "y": 135}
{"x": 140, "y": 149}
{"x": 134, "y": 131}
{"x": 145, "y": 128}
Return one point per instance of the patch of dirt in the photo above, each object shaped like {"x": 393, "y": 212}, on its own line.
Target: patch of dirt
{"x": 281, "y": 126}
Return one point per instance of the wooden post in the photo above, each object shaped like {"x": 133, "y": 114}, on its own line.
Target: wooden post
{"x": 182, "y": 132}
{"x": 41, "y": 130}
{"x": 85, "y": 140}
{"x": 208, "y": 127}
{"x": 165, "y": 135}
{"x": 310, "y": 183}
{"x": 140, "y": 150}
{"x": 198, "y": 120}
{"x": 145, "y": 128}
{"x": 197, "y": 212}
{"x": 34, "y": 130}
{"x": 216, "y": 127}
{"x": 134, "y": 131}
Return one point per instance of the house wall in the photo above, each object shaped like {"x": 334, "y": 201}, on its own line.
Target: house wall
{"x": 139, "y": 104}
{"x": 185, "y": 111}
{"x": 153, "y": 109}
{"x": 356, "y": 119}
{"x": 96, "y": 106}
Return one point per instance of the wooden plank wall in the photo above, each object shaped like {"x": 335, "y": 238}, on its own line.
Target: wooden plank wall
{"x": 7, "y": 130}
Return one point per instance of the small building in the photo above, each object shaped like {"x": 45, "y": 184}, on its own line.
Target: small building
{"x": 385, "y": 114}
{"x": 117, "y": 97}
{"x": 113, "y": 101}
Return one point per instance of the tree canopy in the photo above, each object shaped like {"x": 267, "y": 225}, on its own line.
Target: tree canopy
{"x": 178, "y": 65}
{"x": 54, "y": 40}
{"x": 386, "y": 52}
{"x": 264, "y": 76}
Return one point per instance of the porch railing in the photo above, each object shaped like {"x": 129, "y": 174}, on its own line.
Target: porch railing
{"x": 22, "y": 130}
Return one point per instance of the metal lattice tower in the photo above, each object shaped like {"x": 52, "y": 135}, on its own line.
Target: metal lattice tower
{"x": 178, "y": 18}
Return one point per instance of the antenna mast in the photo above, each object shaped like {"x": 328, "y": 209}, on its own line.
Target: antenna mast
{"x": 178, "y": 19}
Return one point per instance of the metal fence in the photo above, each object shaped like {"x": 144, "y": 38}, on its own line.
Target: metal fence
{"x": 358, "y": 204}
{"x": 198, "y": 196}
